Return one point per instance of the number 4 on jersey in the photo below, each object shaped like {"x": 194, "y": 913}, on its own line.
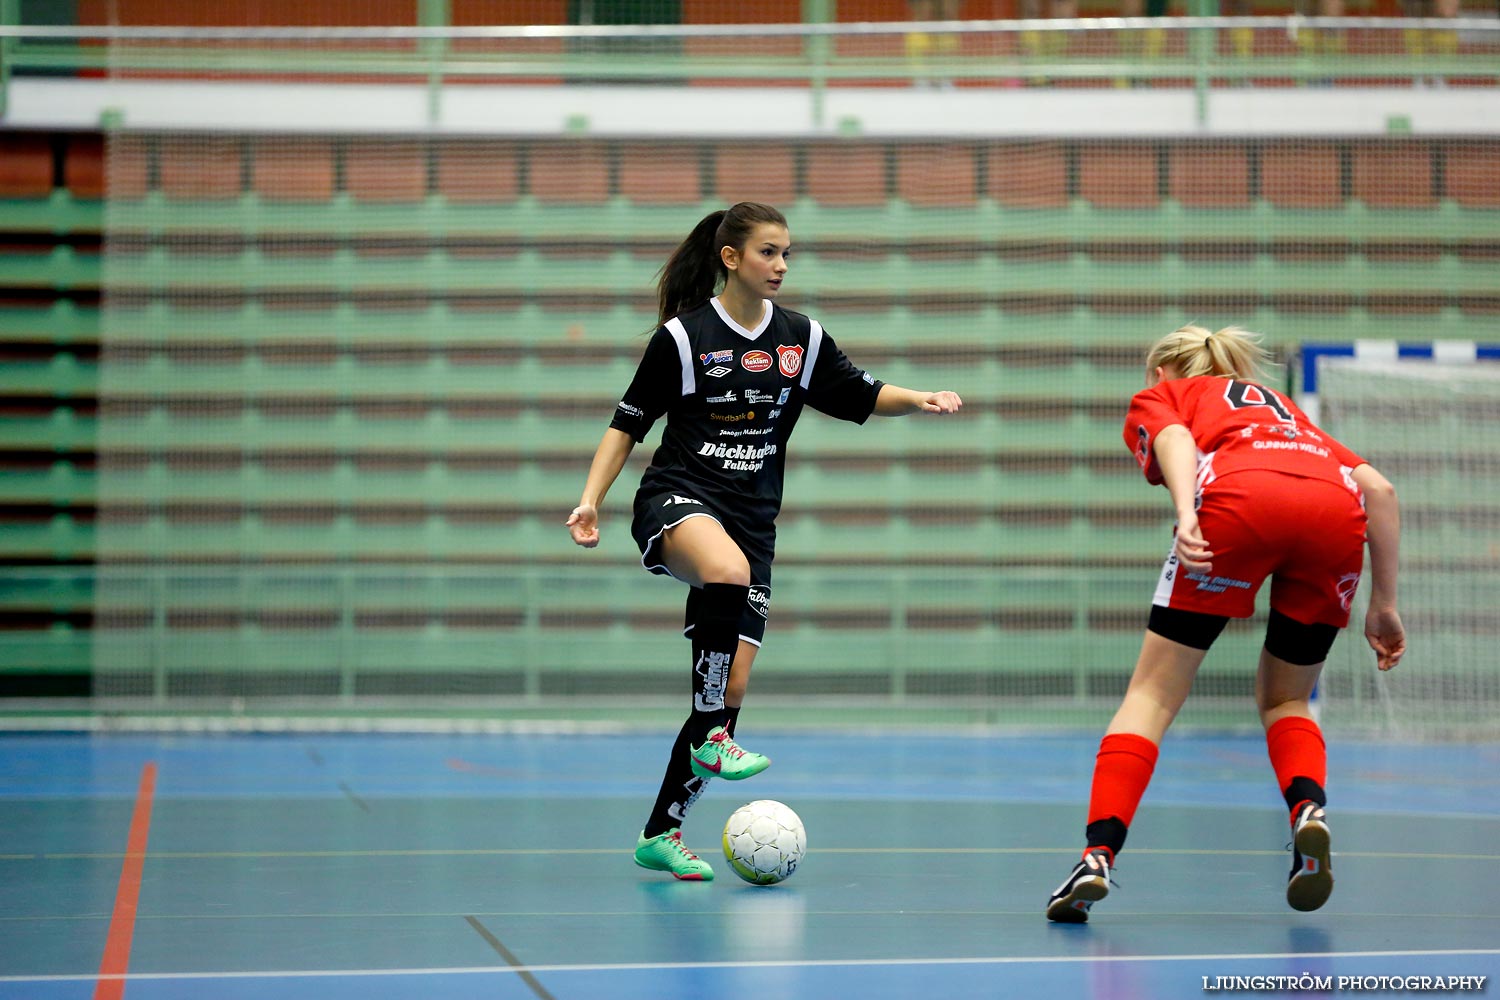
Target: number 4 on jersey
{"x": 1243, "y": 394}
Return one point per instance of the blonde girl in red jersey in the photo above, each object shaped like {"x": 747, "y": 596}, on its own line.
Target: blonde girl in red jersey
{"x": 1260, "y": 492}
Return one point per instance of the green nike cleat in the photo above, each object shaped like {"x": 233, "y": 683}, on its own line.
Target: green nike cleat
{"x": 721, "y": 757}
{"x": 665, "y": 853}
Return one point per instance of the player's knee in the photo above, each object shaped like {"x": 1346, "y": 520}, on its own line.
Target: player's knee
{"x": 1302, "y": 645}
{"x": 733, "y": 570}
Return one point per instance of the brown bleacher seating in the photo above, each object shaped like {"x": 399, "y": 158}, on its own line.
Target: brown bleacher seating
{"x": 716, "y": 12}
{"x": 478, "y": 172}
{"x": 1393, "y": 175}
{"x": 485, "y": 12}
{"x": 847, "y": 174}
{"x": 937, "y": 176}
{"x": 1301, "y": 174}
{"x": 83, "y": 165}
{"x": 1028, "y": 174}
{"x": 741, "y": 48}
{"x": 261, "y": 14}
{"x": 293, "y": 169}
{"x": 755, "y": 171}
{"x": 1209, "y": 176}
{"x": 1118, "y": 174}
{"x": 570, "y": 172}
{"x": 127, "y": 171}
{"x": 469, "y": 13}
{"x": 200, "y": 168}
{"x": 386, "y": 170}
{"x": 25, "y": 165}
{"x": 1473, "y": 173}
{"x": 661, "y": 173}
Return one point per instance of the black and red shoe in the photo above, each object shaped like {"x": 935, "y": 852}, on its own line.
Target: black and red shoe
{"x": 1088, "y": 884}
{"x": 1311, "y": 881}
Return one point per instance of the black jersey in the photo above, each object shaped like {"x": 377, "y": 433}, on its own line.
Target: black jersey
{"x": 731, "y": 397}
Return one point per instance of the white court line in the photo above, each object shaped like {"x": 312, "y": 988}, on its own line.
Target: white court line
{"x": 795, "y": 964}
{"x": 439, "y": 852}
{"x": 1028, "y": 913}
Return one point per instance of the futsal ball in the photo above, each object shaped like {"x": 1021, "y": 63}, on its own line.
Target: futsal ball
{"x": 764, "y": 841}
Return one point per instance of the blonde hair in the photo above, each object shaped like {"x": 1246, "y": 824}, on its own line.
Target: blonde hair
{"x": 1227, "y": 353}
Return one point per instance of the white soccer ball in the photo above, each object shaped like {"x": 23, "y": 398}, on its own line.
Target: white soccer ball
{"x": 764, "y": 841}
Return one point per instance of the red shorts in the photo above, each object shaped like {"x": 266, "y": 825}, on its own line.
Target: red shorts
{"x": 1307, "y": 535}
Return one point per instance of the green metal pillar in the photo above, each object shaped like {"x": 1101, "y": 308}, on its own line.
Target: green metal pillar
{"x": 434, "y": 14}
{"x": 819, "y": 47}
{"x": 10, "y": 13}
{"x": 1202, "y": 44}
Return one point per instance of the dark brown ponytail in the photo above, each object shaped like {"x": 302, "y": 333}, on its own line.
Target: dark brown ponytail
{"x": 695, "y": 271}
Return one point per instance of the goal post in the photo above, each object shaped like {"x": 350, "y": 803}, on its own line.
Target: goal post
{"x": 1428, "y": 416}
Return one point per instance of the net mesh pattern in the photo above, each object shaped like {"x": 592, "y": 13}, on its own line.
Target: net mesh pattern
{"x": 349, "y": 383}
{"x": 1431, "y": 428}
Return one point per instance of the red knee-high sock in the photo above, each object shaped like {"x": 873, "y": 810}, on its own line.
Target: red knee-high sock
{"x": 1300, "y": 759}
{"x": 1122, "y": 771}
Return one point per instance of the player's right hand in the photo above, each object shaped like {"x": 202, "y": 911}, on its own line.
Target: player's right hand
{"x": 583, "y": 525}
{"x": 1192, "y": 551}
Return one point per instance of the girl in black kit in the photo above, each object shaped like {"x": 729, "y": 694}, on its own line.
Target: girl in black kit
{"x": 731, "y": 372}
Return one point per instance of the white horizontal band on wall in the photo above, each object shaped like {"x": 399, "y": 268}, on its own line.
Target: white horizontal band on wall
{"x": 698, "y": 112}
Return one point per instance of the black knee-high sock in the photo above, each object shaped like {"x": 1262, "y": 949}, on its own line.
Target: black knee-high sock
{"x": 680, "y": 788}
{"x": 715, "y": 635}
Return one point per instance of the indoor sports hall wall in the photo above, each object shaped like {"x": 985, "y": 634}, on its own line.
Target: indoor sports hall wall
{"x": 295, "y": 416}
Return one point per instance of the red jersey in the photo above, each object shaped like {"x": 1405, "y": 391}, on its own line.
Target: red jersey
{"x": 1237, "y": 426}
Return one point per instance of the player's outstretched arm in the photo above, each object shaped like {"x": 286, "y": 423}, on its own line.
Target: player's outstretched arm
{"x": 1383, "y": 629}
{"x": 609, "y": 459}
{"x": 895, "y": 401}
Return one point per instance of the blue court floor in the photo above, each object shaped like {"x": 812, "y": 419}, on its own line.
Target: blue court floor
{"x": 457, "y": 867}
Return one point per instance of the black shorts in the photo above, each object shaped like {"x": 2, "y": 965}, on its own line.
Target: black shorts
{"x": 656, "y": 512}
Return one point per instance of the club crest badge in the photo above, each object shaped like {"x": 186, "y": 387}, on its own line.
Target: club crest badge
{"x": 789, "y": 359}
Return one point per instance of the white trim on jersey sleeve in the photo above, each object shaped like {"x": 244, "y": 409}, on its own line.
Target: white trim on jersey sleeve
{"x": 814, "y": 341}
{"x": 684, "y": 354}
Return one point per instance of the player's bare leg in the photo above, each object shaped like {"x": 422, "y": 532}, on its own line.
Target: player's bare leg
{"x": 1163, "y": 676}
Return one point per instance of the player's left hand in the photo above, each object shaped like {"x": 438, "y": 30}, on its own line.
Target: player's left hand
{"x": 941, "y": 402}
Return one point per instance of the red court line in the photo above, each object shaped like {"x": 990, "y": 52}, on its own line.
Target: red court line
{"x": 116, "y": 960}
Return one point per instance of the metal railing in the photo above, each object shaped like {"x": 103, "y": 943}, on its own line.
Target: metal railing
{"x": 1206, "y": 52}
